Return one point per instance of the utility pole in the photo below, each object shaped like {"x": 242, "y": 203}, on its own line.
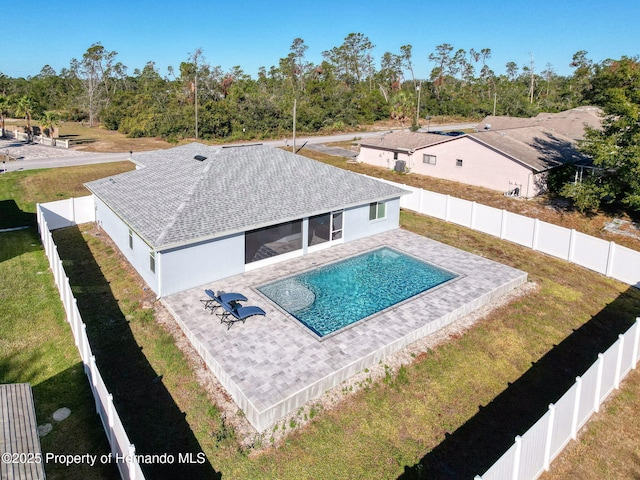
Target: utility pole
{"x": 196, "y": 55}
{"x": 495, "y": 100}
{"x": 532, "y": 77}
{"x": 293, "y": 147}
{"x": 418, "y": 88}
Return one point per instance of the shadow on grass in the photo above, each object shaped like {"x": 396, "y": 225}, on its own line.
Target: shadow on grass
{"x": 79, "y": 434}
{"x": 153, "y": 421}
{"x": 12, "y": 217}
{"x": 474, "y": 447}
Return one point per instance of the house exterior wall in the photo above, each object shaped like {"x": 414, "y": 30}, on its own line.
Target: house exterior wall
{"x": 194, "y": 265}
{"x": 138, "y": 256}
{"x": 381, "y": 158}
{"x": 357, "y": 224}
{"x": 182, "y": 268}
{"x": 481, "y": 165}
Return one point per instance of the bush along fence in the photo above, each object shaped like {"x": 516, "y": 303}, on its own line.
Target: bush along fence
{"x": 596, "y": 254}
{"x": 532, "y": 453}
{"x": 81, "y": 209}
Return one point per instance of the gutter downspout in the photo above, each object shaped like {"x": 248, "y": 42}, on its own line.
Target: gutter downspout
{"x": 159, "y": 268}
{"x": 529, "y": 177}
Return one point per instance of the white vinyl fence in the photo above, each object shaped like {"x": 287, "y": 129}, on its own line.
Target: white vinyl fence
{"x": 65, "y": 213}
{"x": 596, "y": 254}
{"x": 532, "y": 453}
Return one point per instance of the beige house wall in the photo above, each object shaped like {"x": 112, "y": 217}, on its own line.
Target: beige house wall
{"x": 481, "y": 165}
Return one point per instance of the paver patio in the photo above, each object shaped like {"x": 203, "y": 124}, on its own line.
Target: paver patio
{"x": 273, "y": 365}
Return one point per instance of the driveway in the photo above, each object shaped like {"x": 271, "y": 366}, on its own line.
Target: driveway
{"x": 33, "y": 156}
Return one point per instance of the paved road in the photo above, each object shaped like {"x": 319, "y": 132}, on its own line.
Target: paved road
{"x": 33, "y": 156}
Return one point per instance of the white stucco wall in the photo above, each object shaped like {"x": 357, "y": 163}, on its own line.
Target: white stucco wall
{"x": 481, "y": 166}
{"x": 138, "y": 256}
{"x": 191, "y": 266}
{"x": 357, "y": 224}
{"x": 195, "y": 265}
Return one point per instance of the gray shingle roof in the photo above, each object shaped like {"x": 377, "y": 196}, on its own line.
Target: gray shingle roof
{"x": 404, "y": 141}
{"x": 570, "y": 123}
{"x": 176, "y": 200}
{"x": 538, "y": 148}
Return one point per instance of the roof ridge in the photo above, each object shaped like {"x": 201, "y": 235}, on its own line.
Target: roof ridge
{"x": 184, "y": 203}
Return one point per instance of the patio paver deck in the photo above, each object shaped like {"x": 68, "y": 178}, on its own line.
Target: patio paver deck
{"x": 273, "y": 365}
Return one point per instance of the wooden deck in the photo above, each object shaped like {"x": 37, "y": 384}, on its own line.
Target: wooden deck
{"x": 18, "y": 434}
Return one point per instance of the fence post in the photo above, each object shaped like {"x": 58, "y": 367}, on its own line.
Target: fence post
{"x": 572, "y": 245}
{"x": 534, "y": 239}
{"x": 516, "y": 458}
{"x": 576, "y": 409}
{"x": 72, "y": 204}
{"x": 94, "y": 382}
{"x": 596, "y": 400}
{"x": 547, "y": 444}
{"x": 472, "y": 221}
{"x": 76, "y": 322}
{"x": 616, "y": 382}
{"x": 110, "y": 410}
{"x": 610, "y": 256}
{"x": 85, "y": 345}
{"x": 635, "y": 344}
{"x": 131, "y": 465}
{"x": 446, "y": 208}
{"x": 503, "y": 224}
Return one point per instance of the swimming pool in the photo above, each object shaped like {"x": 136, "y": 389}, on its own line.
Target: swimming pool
{"x": 334, "y": 296}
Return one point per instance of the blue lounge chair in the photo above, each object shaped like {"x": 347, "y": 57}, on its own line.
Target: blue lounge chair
{"x": 238, "y": 313}
{"x": 215, "y": 301}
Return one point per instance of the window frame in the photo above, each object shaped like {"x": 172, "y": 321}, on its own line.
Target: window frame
{"x": 426, "y": 157}
{"x": 377, "y": 211}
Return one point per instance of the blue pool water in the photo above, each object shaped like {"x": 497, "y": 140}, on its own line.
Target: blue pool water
{"x": 334, "y": 296}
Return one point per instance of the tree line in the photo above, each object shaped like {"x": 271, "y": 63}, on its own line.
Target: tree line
{"x": 348, "y": 88}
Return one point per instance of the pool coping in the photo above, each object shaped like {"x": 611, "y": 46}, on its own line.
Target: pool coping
{"x": 319, "y": 338}
{"x": 270, "y": 369}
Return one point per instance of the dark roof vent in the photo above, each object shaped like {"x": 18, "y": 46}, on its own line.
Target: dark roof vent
{"x": 200, "y": 158}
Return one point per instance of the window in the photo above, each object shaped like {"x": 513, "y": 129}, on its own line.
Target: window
{"x": 130, "y": 239}
{"x": 336, "y": 225}
{"x": 458, "y": 162}
{"x": 272, "y": 241}
{"x": 395, "y": 155}
{"x": 325, "y": 227}
{"x": 377, "y": 210}
{"x": 152, "y": 261}
{"x": 429, "y": 159}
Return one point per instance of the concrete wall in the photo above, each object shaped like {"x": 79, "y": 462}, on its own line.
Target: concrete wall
{"x": 481, "y": 166}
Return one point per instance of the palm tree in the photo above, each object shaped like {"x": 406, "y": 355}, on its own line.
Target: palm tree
{"x": 25, "y": 107}
{"x": 49, "y": 122}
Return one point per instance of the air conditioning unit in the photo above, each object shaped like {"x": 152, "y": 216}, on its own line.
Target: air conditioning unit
{"x": 400, "y": 166}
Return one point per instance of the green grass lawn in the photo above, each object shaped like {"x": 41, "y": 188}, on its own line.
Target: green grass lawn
{"x": 448, "y": 414}
{"x": 36, "y": 343}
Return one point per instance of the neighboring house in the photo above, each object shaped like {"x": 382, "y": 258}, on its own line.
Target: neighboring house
{"x": 569, "y": 123}
{"x": 195, "y": 214}
{"x": 513, "y": 160}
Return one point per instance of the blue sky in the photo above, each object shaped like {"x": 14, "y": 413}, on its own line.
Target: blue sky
{"x": 258, "y": 33}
